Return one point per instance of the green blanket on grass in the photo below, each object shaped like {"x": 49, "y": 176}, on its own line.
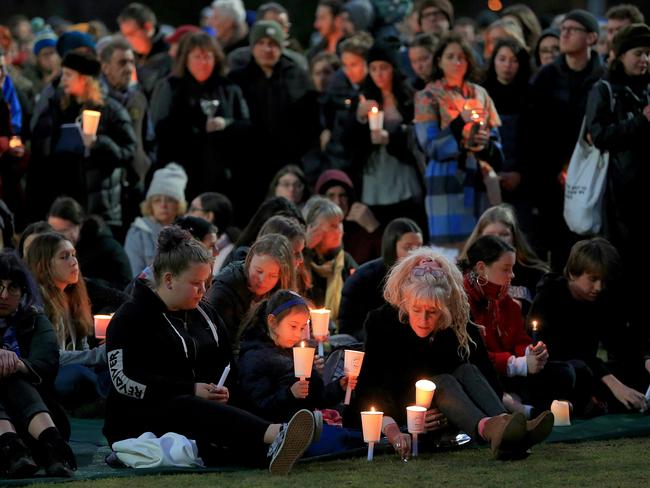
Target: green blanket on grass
{"x": 91, "y": 448}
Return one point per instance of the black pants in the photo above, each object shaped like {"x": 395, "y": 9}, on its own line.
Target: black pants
{"x": 20, "y": 401}
{"x": 556, "y": 381}
{"x": 228, "y": 430}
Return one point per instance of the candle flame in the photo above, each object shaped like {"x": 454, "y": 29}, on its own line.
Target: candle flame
{"x": 372, "y": 409}
{"x": 535, "y": 325}
{"x": 374, "y": 110}
{"x": 302, "y": 344}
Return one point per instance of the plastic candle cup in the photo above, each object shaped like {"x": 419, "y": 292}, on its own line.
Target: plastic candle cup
{"x": 101, "y": 324}
{"x": 320, "y": 321}
{"x": 90, "y": 122}
{"x": 415, "y": 424}
{"x": 303, "y": 360}
{"x": 371, "y": 424}
{"x": 351, "y": 367}
{"x": 424, "y": 390}
{"x": 561, "y": 413}
{"x": 376, "y": 119}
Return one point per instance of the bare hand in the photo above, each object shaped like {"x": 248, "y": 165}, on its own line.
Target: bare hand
{"x": 362, "y": 215}
{"x": 510, "y": 180}
{"x": 314, "y": 236}
{"x": 480, "y": 140}
{"x": 629, "y": 397}
{"x": 364, "y": 107}
{"x": 215, "y": 124}
{"x": 534, "y": 363}
{"x": 9, "y": 362}
{"x": 300, "y": 389}
{"x": 88, "y": 139}
{"x": 319, "y": 364}
{"x": 379, "y": 137}
{"x": 209, "y": 391}
{"x": 434, "y": 420}
{"x": 221, "y": 393}
{"x": 348, "y": 381}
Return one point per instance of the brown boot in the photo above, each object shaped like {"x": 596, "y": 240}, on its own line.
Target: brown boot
{"x": 538, "y": 429}
{"x": 505, "y": 434}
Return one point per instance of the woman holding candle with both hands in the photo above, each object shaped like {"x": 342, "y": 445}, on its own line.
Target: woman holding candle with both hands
{"x": 423, "y": 332}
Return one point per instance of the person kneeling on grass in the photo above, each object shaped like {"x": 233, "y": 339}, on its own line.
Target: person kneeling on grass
{"x": 424, "y": 332}
{"x": 165, "y": 353}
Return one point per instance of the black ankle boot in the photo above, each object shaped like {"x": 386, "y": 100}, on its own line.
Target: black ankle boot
{"x": 17, "y": 459}
{"x": 58, "y": 458}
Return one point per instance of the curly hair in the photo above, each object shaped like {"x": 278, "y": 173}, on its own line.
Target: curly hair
{"x": 445, "y": 291}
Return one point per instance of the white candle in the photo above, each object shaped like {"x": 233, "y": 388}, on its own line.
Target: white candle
{"x": 224, "y": 376}
{"x": 415, "y": 424}
{"x": 376, "y": 119}
{"x": 90, "y": 122}
{"x": 371, "y": 424}
{"x": 320, "y": 322}
{"x": 560, "y": 411}
{"x": 351, "y": 368}
{"x": 424, "y": 390}
{"x": 303, "y": 360}
{"x": 101, "y": 324}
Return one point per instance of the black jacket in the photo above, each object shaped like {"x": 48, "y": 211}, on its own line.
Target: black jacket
{"x": 362, "y": 292}
{"x": 155, "y": 65}
{"x": 396, "y": 358}
{"x": 181, "y": 134}
{"x": 155, "y": 355}
{"x": 266, "y": 376}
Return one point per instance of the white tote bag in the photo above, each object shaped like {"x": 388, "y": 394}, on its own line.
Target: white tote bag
{"x": 585, "y": 184}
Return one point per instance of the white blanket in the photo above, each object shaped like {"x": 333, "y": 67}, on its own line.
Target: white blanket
{"x": 148, "y": 451}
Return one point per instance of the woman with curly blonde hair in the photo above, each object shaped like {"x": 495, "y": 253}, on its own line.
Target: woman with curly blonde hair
{"x": 424, "y": 332}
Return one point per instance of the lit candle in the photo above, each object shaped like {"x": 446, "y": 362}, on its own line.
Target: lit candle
{"x": 424, "y": 390}
{"x": 101, "y": 324}
{"x": 351, "y": 368}
{"x": 15, "y": 142}
{"x": 371, "y": 424}
{"x": 90, "y": 122}
{"x": 560, "y": 411}
{"x": 303, "y": 360}
{"x": 534, "y": 327}
{"x": 415, "y": 424}
{"x": 376, "y": 119}
{"x": 320, "y": 322}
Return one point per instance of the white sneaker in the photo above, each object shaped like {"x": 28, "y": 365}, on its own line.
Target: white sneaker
{"x": 291, "y": 442}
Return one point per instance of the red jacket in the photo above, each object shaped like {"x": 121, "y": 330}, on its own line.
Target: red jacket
{"x": 502, "y": 318}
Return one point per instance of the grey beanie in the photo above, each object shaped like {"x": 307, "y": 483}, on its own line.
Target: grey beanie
{"x": 169, "y": 181}
{"x": 584, "y": 18}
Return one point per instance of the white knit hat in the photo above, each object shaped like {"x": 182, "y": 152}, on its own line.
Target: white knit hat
{"x": 169, "y": 181}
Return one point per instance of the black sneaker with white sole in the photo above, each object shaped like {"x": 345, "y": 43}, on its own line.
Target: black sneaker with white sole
{"x": 291, "y": 442}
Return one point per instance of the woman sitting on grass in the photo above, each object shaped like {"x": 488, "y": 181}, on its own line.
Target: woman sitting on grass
{"x": 166, "y": 352}
{"x": 424, "y": 332}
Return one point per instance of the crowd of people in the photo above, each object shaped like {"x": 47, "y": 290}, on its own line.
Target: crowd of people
{"x": 406, "y": 172}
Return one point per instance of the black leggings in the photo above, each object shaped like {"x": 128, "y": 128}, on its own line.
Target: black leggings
{"x": 20, "y": 401}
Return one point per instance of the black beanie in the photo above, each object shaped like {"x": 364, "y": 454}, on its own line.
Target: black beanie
{"x": 584, "y": 18}
{"x": 382, "y": 51}
{"x": 85, "y": 64}
{"x": 631, "y": 36}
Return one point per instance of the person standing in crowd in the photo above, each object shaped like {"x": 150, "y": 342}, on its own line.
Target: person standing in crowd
{"x": 83, "y": 374}
{"x": 167, "y": 350}
{"x": 200, "y": 117}
{"x": 269, "y": 266}
{"x": 228, "y": 19}
{"x": 100, "y": 256}
{"x": 47, "y": 64}
{"x": 118, "y": 65}
{"x": 329, "y": 25}
{"x": 361, "y": 229}
{"x": 525, "y": 18}
{"x": 497, "y": 30}
{"x": 330, "y": 265}
{"x": 218, "y": 211}
{"x": 456, "y": 126}
{"x": 420, "y": 52}
{"x": 139, "y": 27}
{"x": 620, "y": 16}
{"x": 321, "y": 69}
{"x": 623, "y": 133}
{"x": 506, "y": 81}
{"x": 425, "y": 323}
{"x": 88, "y": 168}
{"x": 30, "y": 418}
{"x": 290, "y": 183}
{"x": 548, "y": 47}
{"x": 576, "y": 312}
{"x": 165, "y": 201}
{"x": 436, "y": 17}
{"x": 531, "y": 382}
{"x": 558, "y": 99}
{"x": 283, "y": 112}
{"x": 363, "y": 291}
{"x": 340, "y": 100}
{"x": 383, "y": 161}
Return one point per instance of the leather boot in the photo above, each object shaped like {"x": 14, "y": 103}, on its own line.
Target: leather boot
{"x": 538, "y": 429}
{"x": 505, "y": 433}
{"x": 14, "y": 454}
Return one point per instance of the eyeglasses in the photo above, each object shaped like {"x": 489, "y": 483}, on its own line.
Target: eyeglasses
{"x": 571, "y": 29}
{"x": 549, "y": 50}
{"x": 13, "y": 290}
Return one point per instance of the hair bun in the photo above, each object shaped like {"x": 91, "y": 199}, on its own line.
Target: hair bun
{"x": 171, "y": 237}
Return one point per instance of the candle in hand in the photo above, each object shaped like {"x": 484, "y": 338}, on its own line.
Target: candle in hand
{"x": 320, "y": 321}
{"x": 376, "y": 119}
{"x": 351, "y": 367}
{"x": 303, "y": 360}
{"x": 534, "y": 327}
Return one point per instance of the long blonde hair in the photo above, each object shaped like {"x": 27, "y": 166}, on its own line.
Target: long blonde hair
{"x": 71, "y": 305}
{"x": 442, "y": 286}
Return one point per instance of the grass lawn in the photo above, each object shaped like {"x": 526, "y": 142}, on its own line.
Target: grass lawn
{"x": 616, "y": 463}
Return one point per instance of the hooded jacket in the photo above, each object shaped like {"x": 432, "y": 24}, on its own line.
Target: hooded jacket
{"x": 140, "y": 244}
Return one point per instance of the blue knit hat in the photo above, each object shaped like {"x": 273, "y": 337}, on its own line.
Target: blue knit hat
{"x": 45, "y": 38}
{"x": 73, "y": 40}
